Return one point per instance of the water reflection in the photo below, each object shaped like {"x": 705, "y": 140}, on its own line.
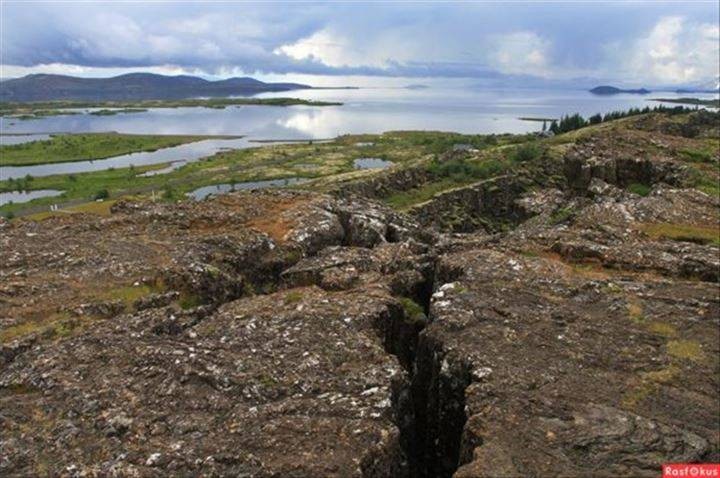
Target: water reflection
{"x": 371, "y": 163}
{"x": 215, "y": 189}
{"x": 25, "y": 196}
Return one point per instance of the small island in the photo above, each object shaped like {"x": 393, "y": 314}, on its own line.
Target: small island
{"x": 712, "y": 103}
{"x": 612, "y": 90}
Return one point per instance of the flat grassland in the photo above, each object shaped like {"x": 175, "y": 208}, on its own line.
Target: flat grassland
{"x": 80, "y": 147}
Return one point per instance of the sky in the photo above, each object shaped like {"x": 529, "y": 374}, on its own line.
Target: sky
{"x": 362, "y": 43}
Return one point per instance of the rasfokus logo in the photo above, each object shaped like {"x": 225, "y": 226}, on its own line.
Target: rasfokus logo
{"x": 691, "y": 470}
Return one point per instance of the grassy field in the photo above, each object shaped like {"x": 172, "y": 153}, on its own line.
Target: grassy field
{"x": 80, "y": 147}
{"x": 331, "y": 163}
{"x": 330, "y": 160}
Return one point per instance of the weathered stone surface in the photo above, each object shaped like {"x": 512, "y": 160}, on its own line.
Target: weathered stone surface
{"x": 571, "y": 330}
{"x": 276, "y": 385}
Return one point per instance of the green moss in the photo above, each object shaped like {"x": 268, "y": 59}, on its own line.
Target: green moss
{"x": 685, "y": 349}
{"x": 696, "y": 156}
{"x": 130, "y": 293}
{"x": 639, "y": 189}
{"x": 648, "y": 383}
{"x": 293, "y": 297}
{"x": 412, "y": 310}
{"x": 189, "y": 301}
{"x": 683, "y": 232}
{"x": 562, "y": 215}
{"x": 662, "y": 328}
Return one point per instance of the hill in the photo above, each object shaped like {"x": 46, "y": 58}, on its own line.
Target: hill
{"x": 134, "y": 86}
{"x": 612, "y": 90}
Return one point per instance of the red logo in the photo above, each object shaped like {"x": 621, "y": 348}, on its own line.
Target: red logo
{"x": 691, "y": 470}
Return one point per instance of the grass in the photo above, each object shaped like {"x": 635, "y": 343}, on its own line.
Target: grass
{"x": 696, "y": 155}
{"x": 685, "y": 350}
{"x": 303, "y": 160}
{"x": 405, "y": 199}
{"x": 562, "y": 215}
{"x": 505, "y": 155}
{"x": 190, "y": 301}
{"x": 293, "y": 297}
{"x": 57, "y": 325}
{"x": 106, "y": 112}
{"x": 80, "y": 147}
{"x": 683, "y": 232}
{"x": 99, "y": 208}
{"x": 639, "y": 189}
{"x": 129, "y": 294}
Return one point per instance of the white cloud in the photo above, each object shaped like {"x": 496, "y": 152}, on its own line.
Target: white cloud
{"x": 333, "y": 50}
{"x": 522, "y": 52}
{"x": 675, "y": 51}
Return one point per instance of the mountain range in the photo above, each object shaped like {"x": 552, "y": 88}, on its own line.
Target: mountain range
{"x": 133, "y": 86}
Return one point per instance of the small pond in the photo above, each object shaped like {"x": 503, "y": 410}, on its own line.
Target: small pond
{"x": 371, "y": 163}
{"x": 25, "y": 196}
{"x": 205, "y": 191}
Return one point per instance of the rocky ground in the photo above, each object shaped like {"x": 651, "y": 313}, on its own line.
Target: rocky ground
{"x": 571, "y": 329}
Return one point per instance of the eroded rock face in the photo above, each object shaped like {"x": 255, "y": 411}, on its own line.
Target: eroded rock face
{"x": 276, "y": 385}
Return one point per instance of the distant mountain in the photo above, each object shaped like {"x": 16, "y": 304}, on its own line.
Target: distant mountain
{"x": 709, "y": 86}
{"x": 611, "y": 90}
{"x": 133, "y": 86}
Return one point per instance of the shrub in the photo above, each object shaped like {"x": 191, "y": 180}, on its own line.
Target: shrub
{"x": 102, "y": 194}
{"x": 527, "y": 152}
{"x": 460, "y": 170}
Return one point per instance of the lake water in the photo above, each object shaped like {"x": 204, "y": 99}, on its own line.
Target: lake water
{"x": 371, "y": 163}
{"x": 25, "y": 196}
{"x": 8, "y": 139}
{"x": 177, "y": 154}
{"x": 367, "y": 110}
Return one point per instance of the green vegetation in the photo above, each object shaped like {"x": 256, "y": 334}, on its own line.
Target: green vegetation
{"x": 499, "y": 156}
{"x": 50, "y": 108}
{"x": 683, "y": 232}
{"x": 639, "y": 189}
{"x": 102, "y": 194}
{"x": 412, "y": 310}
{"x": 561, "y": 215}
{"x": 293, "y": 297}
{"x": 713, "y": 103}
{"x": 527, "y": 152}
{"x": 404, "y": 199}
{"x": 303, "y": 160}
{"x": 31, "y": 114}
{"x": 80, "y": 147}
{"x": 697, "y": 156}
{"x": 106, "y": 112}
{"x": 576, "y": 121}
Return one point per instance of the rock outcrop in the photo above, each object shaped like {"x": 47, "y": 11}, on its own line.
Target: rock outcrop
{"x": 570, "y": 330}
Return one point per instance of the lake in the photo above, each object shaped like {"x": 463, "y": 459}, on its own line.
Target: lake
{"x": 366, "y": 110}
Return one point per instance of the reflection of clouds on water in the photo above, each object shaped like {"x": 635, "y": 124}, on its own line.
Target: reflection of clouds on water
{"x": 314, "y": 123}
{"x": 364, "y": 111}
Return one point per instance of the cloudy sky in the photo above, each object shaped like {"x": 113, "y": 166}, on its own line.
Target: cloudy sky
{"x": 630, "y": 43}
